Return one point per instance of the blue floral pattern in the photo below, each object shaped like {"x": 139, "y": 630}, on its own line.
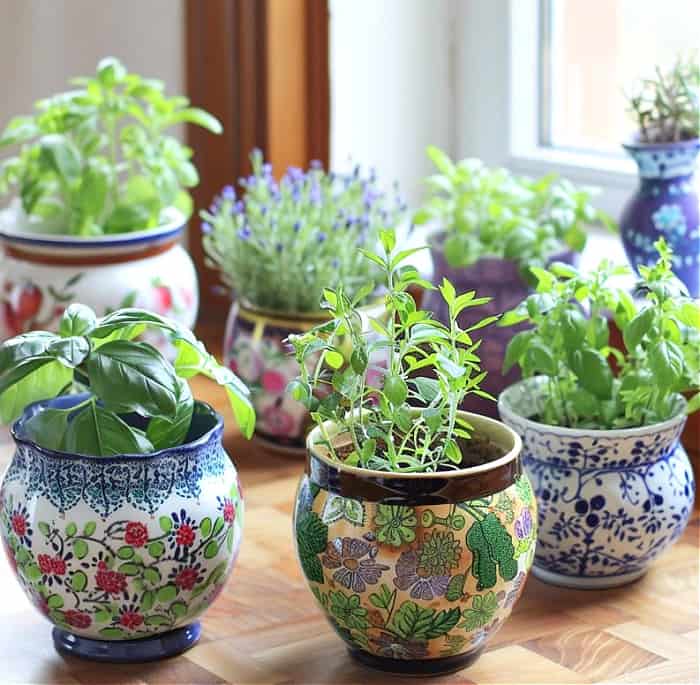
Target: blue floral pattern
{"x": 609, "y": 502}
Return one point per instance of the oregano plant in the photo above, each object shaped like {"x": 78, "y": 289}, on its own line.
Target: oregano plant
{"x": 123, "y": 377}
{"x": 411, "y": 422}
{"x": 589, "y": 381}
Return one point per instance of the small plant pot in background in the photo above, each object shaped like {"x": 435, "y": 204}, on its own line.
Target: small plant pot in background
{"x": 43, "y": 273}
{"x": 609, "y": 501}
{"x": 492, "y": 277}
{"x": 255, "y": 350}
{"x": 665, "y": 205}
{"x": 415, "y": 572}
{"x": 124, "y": 553}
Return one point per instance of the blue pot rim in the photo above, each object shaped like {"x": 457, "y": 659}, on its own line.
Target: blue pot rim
{"x": 169, "y": 230}
{"x": 507, "y": 412}
{"x": 213, "y": 434}
{"x": 635, "y": 144}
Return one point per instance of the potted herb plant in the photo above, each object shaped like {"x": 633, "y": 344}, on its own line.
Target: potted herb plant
{"x": 120, "y": 512}
{"x": 276, "y": 248}
{"x": 488, "y": 227}
{"x": 100, "y": 198}
{"x": 414, "y": 526}
{"x": 665, "y": 148}
{"x": 613, "y": 483}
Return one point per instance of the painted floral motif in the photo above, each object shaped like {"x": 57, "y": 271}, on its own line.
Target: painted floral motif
{"x": 415, "y": 582}
{"x": 121, "y": 578}
{"x": 670, "y": 220}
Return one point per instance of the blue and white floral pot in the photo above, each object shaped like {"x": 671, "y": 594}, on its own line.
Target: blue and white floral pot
{"x": 609, "y": 501}
{"x": 665, "y": 205}
{"x": 122, "y": 554}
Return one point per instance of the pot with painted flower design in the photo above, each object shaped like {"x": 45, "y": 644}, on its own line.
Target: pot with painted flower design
{"x": 43, "y": 273}
{"x": 416, "y": 571}
{"x": 123, "y": 554}
{"x": 665, "y": 205}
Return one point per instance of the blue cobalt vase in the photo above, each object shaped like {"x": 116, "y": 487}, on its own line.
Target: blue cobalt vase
{"x": 609, "y": 501}
{"x": 665, "y": 205}
{"x": 122, "y": 554}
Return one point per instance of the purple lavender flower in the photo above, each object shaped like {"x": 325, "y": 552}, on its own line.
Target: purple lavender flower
{"x": 315, "y": 194}
{"x": 279, "y": 247}
{"x": 297, "y": 226}
{"x": 238, "y": 208}
{"x": 206, "y": 228}
{"x": 267, "y": 169}
{"x": 244, "y": 233}
{"x": 228, "y": 193}
{"x": 523, "y": 525}
{"x": 316, "y": 164}
{"x": 321, "y": 237}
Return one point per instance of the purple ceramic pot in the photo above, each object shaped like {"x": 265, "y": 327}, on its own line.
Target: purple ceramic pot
{"x": 500, "y": 280}
{"x": 665, "y": 204}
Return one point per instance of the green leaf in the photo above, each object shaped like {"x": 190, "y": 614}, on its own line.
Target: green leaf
{"x": 211, "y": 549}
{"x": 167, "y": 593}
{"x": 441, "y": 161}
{"x": 70, "y": 351}
{"x": 125, "y": 552}
{"x": 151, "y": 574}
{"x": 97, "y": 432}
{"x": 539, "y": 357}
{"x": 60, "y": 155}
{"x": 165, "y": 523}
{"x": 110, "y": 71}
{"x": 163, "y": 432}
{"x": 133, "y": 377}
{"x": 194, "y": 115}
{"x": 148, "y": 599}
{"x": 71, "y": 529}
{"x": 312, "y": 538}
{"x": 481, "y": 613}
{"x": 80, "y": 548}
{"x": 594, "y": 374}
{"x": 48, "y": 428}
{"x": 44, "y": 528}
{"x": 637, "y": 328}
{"x": 413, "y": 622}
{"x": 178, "y": 609}
{"x": 78, "y": 581}
{"x": 113, "y": 633}
{"x": 55, "y": 601}
{"x": 126, "y": 218}
{"x": 492, "y": 549}
{"x": 129, "y": 569}
{"x": 77, "y": 319}
{"x": 334, "y": 359}
{"x": 102, "y": 616}
{"x": 395, "y": 389}
{"x": 666, "y": 362}
{"x": 455, "y": 588}
{"x": 89, "y": 528}
{"x": 516, "y": 349}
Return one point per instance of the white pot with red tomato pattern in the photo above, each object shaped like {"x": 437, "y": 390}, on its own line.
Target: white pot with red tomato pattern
{"x": 43, "y": 273}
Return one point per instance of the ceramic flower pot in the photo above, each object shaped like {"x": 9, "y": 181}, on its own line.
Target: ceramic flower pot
{"x": 122, "y": 554}
{"x": 499, "y": 279}
{"x": 416, "y": 572}
{"x": 255, "y": 350}
{"x": 43, "y": 273}
{"x": 609, "y": 501}
{"x": 665, "y": 205}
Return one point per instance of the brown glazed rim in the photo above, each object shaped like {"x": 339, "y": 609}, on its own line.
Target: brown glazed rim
{"x": 444, "y": 487}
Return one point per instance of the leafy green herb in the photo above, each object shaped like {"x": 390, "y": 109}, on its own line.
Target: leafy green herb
{"x": 123, "y": 377}
{"x": 661, "y": 355}
{"x": 667, "y": 107}
{"x": 491, "y": 212}
{"x": 409, "y": 424}
{"x": 97, "y": 159}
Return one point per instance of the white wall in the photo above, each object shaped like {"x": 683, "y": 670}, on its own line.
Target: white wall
{"x": 44, "y": 42}
{"x": 390, "y": 63}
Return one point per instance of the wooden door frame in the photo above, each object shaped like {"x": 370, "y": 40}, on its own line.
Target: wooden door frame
{"x": 228, "y": 47}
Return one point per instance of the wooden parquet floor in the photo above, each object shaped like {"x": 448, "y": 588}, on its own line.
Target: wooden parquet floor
{"x": 265, "y": 627}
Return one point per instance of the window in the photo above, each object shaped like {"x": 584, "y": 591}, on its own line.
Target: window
{"x": 591, "y": 51}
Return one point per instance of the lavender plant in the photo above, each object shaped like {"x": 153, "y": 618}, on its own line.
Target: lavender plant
{"x": 660, "y": 359}
{"x": 492, "y": 212}
{"x": 411, "y": 423}
{"x": 280, "y": 244}
{"x": 667, "y": 107}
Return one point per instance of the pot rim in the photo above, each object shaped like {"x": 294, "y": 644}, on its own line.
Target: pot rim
{"x": 506, "y": 410}
{"x": 633, "y": 143}
{"x": 477, "y": 420}
{"x": 173, "y": 225}
{"x": 30, "y": 410}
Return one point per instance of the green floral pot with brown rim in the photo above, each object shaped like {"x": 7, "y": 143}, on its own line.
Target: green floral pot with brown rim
{"x": 415, "y": 572}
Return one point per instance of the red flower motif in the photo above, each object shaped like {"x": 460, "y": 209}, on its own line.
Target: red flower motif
{"x": 185, "y": 535}
{"x": 229, "y": 511}
{"x": 58, "y": 566}
{"x": 77, "y": 619}
{"x": 45, "y": 565}
{"x": 19, "y": 524}
{"x": 109, "y": 581}
{"x": 273, "y": 381}
{"x": 136, "y": 534}
{"x": 163, "y": 299}
{"x": 130, "y": 619}
{"x": 186, "y": 578}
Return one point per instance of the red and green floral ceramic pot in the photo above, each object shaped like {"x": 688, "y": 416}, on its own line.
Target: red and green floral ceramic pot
{"x": 43, "y": 273}
{"x": 255, "y": 349}
{"x": 122, "y": 554}
{"x": 415, "y": 572}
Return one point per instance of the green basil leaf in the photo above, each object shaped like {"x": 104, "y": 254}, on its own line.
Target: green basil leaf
{"x": 516, "y": 349}
{"x": 540, "y": 358}
{"x": 133, "y": 376}
{"x": 98, "y": 432}
{"x": 163, "y": 432}
{"x": 637, "y": 328}
{"x": 595, "y": 374}
{"x": 48, "y": 427}
{"x": 71, "y": 351}
{"x": 60, "y": 155}
{"x": 667, "y": 363}
{"x": 77, "y": 319}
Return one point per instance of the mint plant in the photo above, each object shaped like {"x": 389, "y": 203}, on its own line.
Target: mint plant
{"x": 97, "y": 159}
{"x": 280, "y": 244}
{"x": 493, "y": 213}
{"x": 570, "y": 345}
{"x": 122, "y": 376}
{"x": 411, "y": 423}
